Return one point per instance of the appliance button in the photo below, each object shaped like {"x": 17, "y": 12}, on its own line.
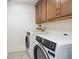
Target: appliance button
{"x": 52, "y": 54}
{"x": 65, "y": 34}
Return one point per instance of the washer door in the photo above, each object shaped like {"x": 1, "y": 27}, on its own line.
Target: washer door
{"x": 40, "y": 53}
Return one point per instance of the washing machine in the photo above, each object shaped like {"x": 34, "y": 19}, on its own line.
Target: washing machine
{"x": 54, "y": 45}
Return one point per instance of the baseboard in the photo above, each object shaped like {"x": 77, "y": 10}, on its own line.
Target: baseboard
{"x": 15, "y": 49}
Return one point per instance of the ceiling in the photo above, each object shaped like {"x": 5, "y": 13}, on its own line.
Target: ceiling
{"x": 26, "y": 1}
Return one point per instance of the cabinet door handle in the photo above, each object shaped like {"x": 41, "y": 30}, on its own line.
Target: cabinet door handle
{"x": 58, "y": 11}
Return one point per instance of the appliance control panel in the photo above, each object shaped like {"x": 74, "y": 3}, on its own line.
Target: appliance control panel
{"x": 48, "y": 44}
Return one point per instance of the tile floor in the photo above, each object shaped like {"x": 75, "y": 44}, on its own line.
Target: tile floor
{"x": 18, "y": 55}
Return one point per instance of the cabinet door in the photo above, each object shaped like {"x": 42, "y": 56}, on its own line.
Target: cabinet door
{"x": 58, "y": 8}
{"x": 51, "y": 9}
{"x": 38, "y": 13}
{"x": 66, "y": 7}
{"x": 43, "y": 10}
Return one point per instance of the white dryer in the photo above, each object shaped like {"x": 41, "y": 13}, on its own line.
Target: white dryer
{"x": 54, "y": 45}
{"x": 28, "y": 43}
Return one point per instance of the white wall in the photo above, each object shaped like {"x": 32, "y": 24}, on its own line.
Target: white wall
{"x": 62, "y": 25}
{"x": 21, "y": 17}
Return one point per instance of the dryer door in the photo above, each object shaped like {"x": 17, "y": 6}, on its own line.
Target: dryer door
{"x": 40, "y": 53}
{"x": 27, "y": 40}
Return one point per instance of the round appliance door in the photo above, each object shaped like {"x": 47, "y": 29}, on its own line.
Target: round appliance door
{"x": 27, "y": 42}
{"x": 40, "y": 53}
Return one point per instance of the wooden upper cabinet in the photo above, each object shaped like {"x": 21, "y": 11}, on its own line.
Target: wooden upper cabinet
{"x": 63, "y": 8}
{"x": 58, "y": 9}
{"x": 66, "y": 7}
{"x": 41, "y": 11}
{"x": 38, "y": 12}
{"x": 51, "y": 9}
{"x": 47, "y": 10}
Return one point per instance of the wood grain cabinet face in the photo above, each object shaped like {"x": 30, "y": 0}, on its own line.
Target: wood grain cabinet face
{"x": 47, "y": 10}
{"x": 51, "y": 9}
{"x": 66, "y": 7}
{"x": 41, "y": 11}
{"x": 38, "y": 12}
{"x": 58, "y": 9}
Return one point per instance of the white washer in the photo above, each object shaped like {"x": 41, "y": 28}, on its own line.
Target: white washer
{"x": 54, "y": 45}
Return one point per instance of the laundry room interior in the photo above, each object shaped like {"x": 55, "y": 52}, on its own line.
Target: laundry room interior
{"x": 39, "y": 29}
